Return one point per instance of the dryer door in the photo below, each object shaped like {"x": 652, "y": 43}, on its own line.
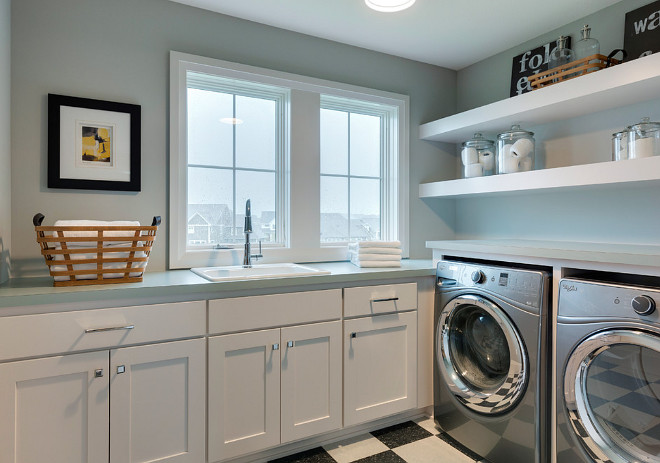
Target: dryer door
{"x": 612, "y": 395}
{"x": 481, "y": 355}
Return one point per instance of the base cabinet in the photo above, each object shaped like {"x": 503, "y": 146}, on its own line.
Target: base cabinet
{"x": 272, "y": 386}
{"x": 134, "y": 404}
{"x": 380, "y": 366}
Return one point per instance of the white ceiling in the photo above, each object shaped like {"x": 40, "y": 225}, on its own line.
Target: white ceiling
{"x": 449, "y": 33}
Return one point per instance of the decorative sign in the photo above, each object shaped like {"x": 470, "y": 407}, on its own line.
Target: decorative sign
{"x": 642, "y": 32}
{"x": 529, "y": 63}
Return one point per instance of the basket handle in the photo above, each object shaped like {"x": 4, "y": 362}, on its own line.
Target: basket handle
{"x": 156, "y": 221}
{"x": 38, "y": 219}
{"x": 614, "y": 52}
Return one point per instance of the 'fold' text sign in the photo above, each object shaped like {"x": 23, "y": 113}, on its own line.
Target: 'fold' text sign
{"x": 642, "y": 32}
{"x": 529, "y": 63}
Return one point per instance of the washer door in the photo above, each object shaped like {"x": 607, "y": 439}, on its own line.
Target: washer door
{"x": 481, "y": 355}
{"x": 612, "y": 395}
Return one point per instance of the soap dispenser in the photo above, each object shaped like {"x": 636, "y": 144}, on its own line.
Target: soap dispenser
{"x": 587, "y": 46}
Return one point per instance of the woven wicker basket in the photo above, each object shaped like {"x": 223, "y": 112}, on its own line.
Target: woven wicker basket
{"x": 95, "y": 259}
{"x": 571, "y": 70}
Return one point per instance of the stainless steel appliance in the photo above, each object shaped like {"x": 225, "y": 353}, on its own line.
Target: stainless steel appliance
{"x": 490, "y": 368}
{"x": 608, "y": 373}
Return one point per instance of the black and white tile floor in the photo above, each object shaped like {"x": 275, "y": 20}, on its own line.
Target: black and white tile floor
{"x": 410, "y": 442}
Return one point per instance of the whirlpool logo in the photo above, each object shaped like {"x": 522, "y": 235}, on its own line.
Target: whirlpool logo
{"x": 568, "y": 287}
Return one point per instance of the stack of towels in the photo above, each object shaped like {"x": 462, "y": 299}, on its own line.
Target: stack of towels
{"x": 375, "y": 253}
{"x": 92, "y": 254}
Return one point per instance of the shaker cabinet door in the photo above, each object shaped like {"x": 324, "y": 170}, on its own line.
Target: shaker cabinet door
{"x": 380, "y": 366}
{"x": 311, "y": 380}
{"x": 55, "y": 409}
{"x": 157, "y": 403}
{"x": 243, "y": 393}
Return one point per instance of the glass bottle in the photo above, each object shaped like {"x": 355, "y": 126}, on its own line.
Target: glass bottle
{"x": 560, "y": 55}
{"x": 587, "y": 46}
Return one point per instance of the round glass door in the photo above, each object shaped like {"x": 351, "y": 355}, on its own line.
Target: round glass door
{"x": 481, "y": 355}
{"x": 612, "y": 391}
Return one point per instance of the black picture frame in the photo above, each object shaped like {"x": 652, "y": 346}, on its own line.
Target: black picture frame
{"x": 92, "y": 171}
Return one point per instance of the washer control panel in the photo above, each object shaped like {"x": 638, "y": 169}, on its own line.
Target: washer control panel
{"x": 523, "y": 286}
{"x": 587, "y": 299}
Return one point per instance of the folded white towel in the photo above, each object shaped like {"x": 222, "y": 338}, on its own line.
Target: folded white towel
{"x": 376, "y": 244}
{"x": 96, "y": 223}
{"x": 361, "y": 251}
{"x": 373, "y": 257}
{"x": 106, "y": 266}
{"x": 376, "y": 263}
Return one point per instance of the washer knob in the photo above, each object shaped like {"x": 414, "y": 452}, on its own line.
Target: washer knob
{"x": 478, "y": 276}
{"x": 643, "y": 305}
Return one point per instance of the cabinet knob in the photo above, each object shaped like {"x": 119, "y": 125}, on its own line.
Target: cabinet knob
{"x": 121, "y": 369}
{"x": 276, "y": 346}
{"x": 353, "y": 335}
{"x": 98, "y": 373}
{"x": 289, "y": 344}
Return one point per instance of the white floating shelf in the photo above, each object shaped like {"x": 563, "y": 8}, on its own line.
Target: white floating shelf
{"x": 622, "y": 85}
{"x": 633, "y": 172}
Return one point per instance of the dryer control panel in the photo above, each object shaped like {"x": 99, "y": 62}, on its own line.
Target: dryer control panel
{"x": 523, "y": 286}
{"x": 595, "y": 300}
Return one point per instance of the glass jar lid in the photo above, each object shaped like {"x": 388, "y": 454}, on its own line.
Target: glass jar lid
{"x": 622, "y": 133}
{"x": 646, "y": 126}
{"x": 478, "y": 141}
{"x": 515, "y": 132}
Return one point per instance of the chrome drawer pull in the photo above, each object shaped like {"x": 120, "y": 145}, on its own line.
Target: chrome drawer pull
{"x": 289, "y": 344}
{"x": 387, "y": 299}
{"x": 113, "y": 328}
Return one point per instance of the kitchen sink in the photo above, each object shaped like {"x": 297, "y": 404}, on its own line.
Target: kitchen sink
{"x": 256, "y": 272}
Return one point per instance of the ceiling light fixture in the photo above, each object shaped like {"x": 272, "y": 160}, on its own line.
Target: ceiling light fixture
{"x": 389, "y": 6}
{"x": 231, "y": 120}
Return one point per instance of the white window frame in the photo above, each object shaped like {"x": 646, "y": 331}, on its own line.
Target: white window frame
{"x": 301, "y": 187}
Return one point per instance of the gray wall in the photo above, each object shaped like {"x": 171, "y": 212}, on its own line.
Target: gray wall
{"x": 5, "y": 132}
{"x": 618, "y": 215}
{"x": 118, "y": 50}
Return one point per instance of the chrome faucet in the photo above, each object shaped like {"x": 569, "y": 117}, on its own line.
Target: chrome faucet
{"x": 247, "y": 229}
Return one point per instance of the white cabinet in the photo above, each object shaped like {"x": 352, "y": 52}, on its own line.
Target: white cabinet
{"x": 129, "y": 405}
{"x": 380, "y": 366}
{"x": 273, "y": 386}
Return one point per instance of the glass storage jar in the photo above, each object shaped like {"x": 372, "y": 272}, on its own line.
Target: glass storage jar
{"x": 515, "y": 151}
{"x": 620, "y": 145}
{"x": 478, "y": 157}
{"x": 644, "y": 139}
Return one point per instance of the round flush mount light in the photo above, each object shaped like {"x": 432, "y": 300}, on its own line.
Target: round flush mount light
{"x": 231, "y": 120}
{"x": 389, "y": 6}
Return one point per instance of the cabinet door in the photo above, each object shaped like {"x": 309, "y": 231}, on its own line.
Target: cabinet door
{"x": 55, "y": 409}
{"x": 243, "y": 393}
{"x": 311, "y": 380}
{"x": 380, "y": 366}
{"x": 157, "y": 403}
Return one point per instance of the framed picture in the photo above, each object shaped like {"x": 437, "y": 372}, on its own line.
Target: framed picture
{"x": 529, "y": 63}
{"x": 641, "y": 34}
{"x": 93, "y": 144}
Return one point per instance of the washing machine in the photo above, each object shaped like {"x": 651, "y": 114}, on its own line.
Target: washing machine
{"x": 491, "y": 366}
{"x": 608, "y": 373}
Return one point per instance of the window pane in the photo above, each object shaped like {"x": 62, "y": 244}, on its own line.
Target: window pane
{"x": 255, "y": 136}
{"x": 334, "y": 209}
{"x": 365, "y": 145}
{"x": 210, "y": 142}
{"x": 259, "y": 188}
{"x": 334, "y": 142}
{"x": 210, "y": 203}
{"x": 365, "y": 209}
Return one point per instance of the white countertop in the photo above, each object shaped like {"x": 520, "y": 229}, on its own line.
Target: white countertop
{"x": 184, "y": 284}
{"x": 602, "y": 253}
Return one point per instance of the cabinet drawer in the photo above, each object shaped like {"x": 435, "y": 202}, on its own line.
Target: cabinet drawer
{"x": 369, "y": 300}
{"x": 256, "y": 312}
{"x": 44, "y": 334}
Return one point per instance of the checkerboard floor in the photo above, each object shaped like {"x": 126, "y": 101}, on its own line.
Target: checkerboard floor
{"x": 410, "y": 442}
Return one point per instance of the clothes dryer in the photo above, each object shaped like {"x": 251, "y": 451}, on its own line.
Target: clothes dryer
{"x": 608, "y": 373}
{"x": 490, "y": 368}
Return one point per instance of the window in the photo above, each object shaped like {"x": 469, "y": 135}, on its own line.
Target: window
{"x": 323, "y": 164}
{"x": 354, "y": 151}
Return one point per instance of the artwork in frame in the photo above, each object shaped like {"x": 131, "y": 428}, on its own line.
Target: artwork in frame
{"x": 93, "y": 144}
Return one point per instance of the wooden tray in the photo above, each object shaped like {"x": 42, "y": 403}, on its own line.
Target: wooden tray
{"x": 94, "y": 258}
{"x": 570, "y": 70}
